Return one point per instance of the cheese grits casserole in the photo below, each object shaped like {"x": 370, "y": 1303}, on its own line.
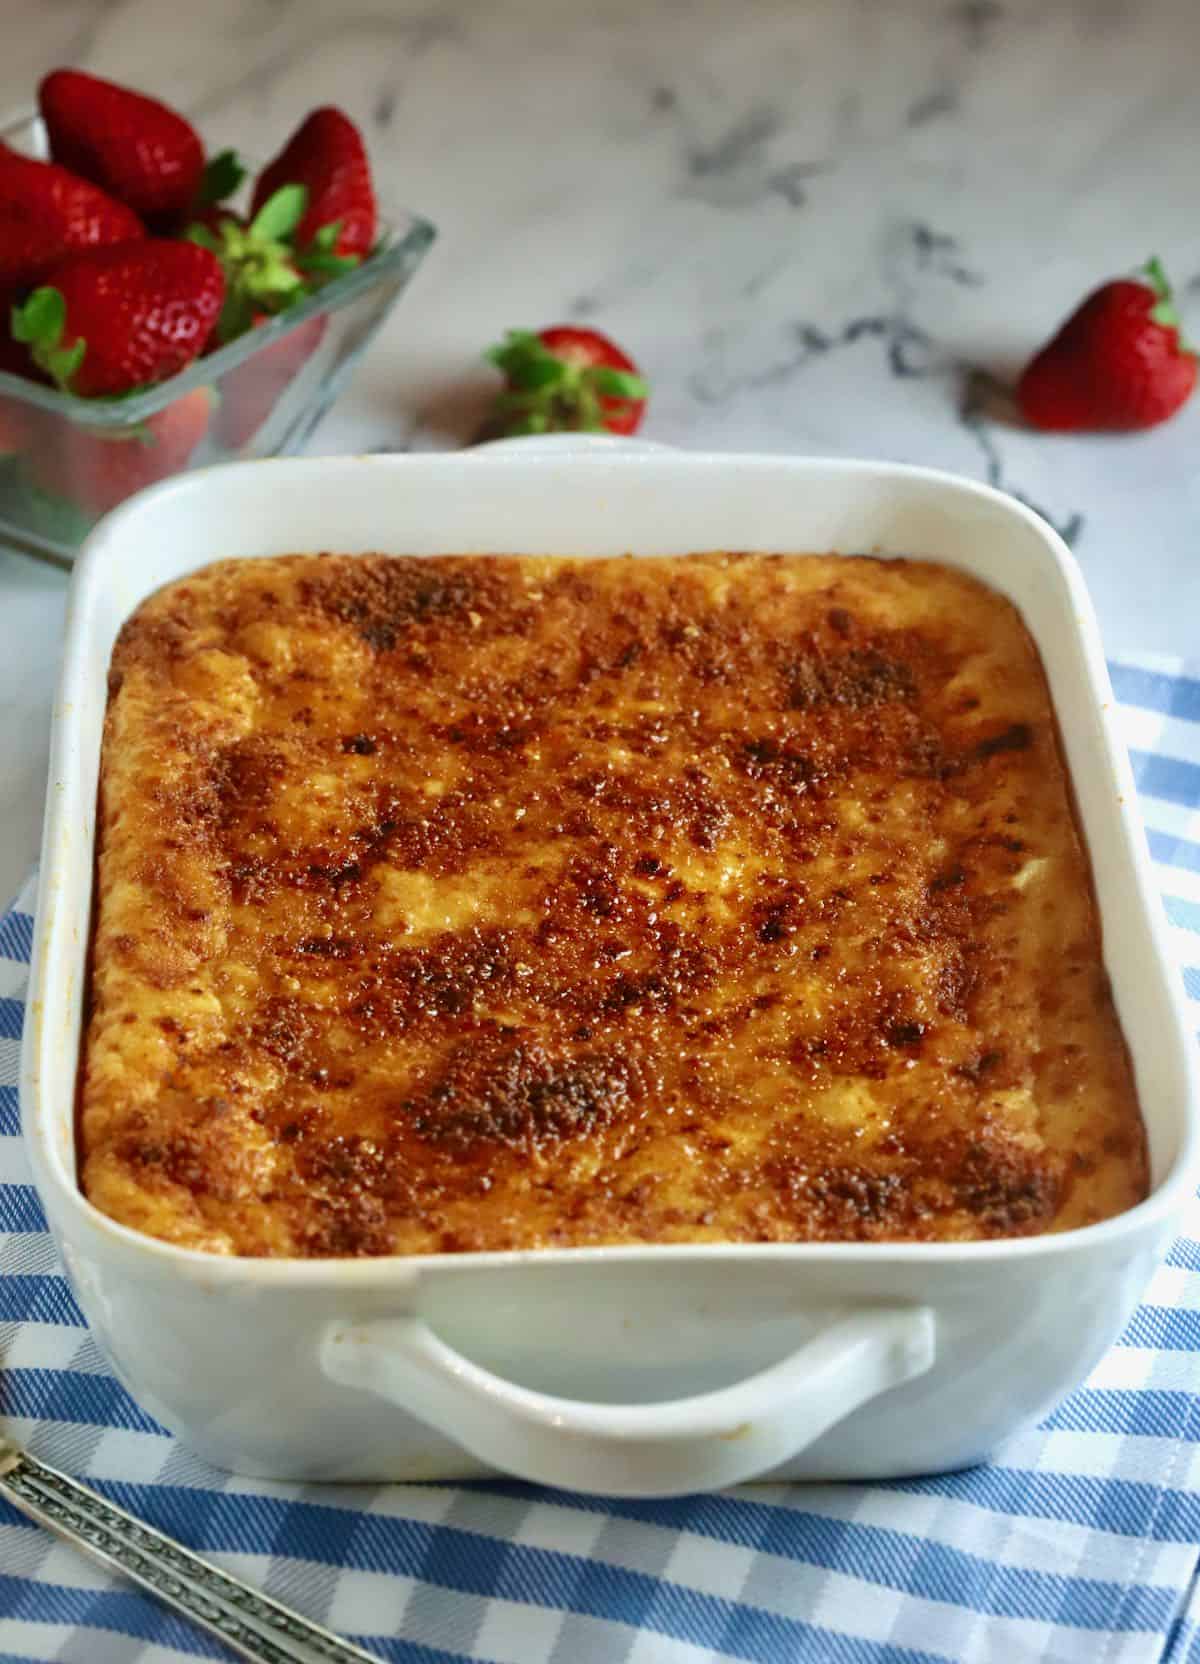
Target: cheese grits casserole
{"x": 500, "y": 902}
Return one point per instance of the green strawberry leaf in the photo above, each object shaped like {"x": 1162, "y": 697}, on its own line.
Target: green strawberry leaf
{"x": 221, "y": 177}
{"x": 515, "y": 341}
{"x": 331, "y": 264}
{"x": 269, "y": 278}
{"x": 525, "y": 362}
{"x": 1165, "y": 314}
{"x": 205, "y": 236}
{"x": 281, "y": 213}
{"x": 236, "y": 315}
{"x": 63, "y": 362}
{"x": 616, "y": 384}
{"x": 325, "y": 241}
{"x": 41, "y": 320}
{"x": 536, "y": 371}
{"x": 1155, "y": 271}
{"x": 40, "y": 324}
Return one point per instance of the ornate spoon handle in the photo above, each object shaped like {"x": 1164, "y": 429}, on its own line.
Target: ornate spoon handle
{"x": 253, "y": 1625}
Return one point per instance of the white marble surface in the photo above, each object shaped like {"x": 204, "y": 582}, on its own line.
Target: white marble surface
{"x": 814, "y": 224}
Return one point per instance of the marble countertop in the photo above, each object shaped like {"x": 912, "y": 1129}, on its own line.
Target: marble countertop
{"x": 830, "y": 228}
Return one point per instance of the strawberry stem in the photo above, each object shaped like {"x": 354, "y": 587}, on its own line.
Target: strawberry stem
{"x": 264, "y": 272}
{"x": 259, "y": 264}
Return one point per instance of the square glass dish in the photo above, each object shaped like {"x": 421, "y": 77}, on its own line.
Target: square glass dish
{"x": 66, "y": 461}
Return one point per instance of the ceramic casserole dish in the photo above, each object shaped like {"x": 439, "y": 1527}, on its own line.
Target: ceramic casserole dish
{"x": 649, "y": 1371}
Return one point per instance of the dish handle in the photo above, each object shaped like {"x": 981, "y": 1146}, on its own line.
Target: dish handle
{"x": 713, "y": 1439}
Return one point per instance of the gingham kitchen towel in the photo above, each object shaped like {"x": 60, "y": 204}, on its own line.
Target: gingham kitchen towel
{"x": 1077, "y": 1545}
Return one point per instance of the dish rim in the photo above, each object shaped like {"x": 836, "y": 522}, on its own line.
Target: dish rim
{"x": 199, "y": 1266}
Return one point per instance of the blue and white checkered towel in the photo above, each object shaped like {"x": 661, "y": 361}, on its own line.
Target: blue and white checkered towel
{"x": 1077, "y": 1545}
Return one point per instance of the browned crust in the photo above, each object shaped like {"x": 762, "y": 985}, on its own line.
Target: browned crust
{"x": 477, "y": 903}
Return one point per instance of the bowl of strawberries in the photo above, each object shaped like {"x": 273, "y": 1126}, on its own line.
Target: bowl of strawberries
{"x": 162, "y": 309}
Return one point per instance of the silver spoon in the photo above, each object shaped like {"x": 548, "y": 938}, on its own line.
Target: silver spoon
{"x": 252, "y": 1624}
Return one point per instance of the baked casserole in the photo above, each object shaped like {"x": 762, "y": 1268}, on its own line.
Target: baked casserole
{"x": 473, "y": 902}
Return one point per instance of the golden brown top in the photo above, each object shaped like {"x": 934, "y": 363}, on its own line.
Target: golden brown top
{"x": 478, "y": 903}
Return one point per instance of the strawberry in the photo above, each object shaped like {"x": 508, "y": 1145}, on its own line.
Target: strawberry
{"x": 565, "y": 378}
{"x": 112, "y": 319}
{"x": 1117, "y": 363}
{"x": 251, "y": 391}
{"x": 136, "y": 148}
{"x": 95, "y": 469}
{"x": 46, "y": 212}
{"x": 327, "y": 156}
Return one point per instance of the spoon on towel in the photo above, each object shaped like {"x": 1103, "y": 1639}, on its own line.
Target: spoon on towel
{"x": 251, "y": 1624}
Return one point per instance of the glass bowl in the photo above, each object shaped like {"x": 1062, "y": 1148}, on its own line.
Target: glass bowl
{"x": 66, "y": 461}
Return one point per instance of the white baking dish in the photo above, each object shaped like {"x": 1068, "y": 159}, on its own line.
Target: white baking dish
{"x": 648, "y": 1371}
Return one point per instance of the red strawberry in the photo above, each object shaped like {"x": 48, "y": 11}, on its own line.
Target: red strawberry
{"x": 112, "y": 319}
{"x": 1117, "y": 362}
{"x": 136, "y": 148}
{"x": 327, "y": 156}
{"x": 46, "y": 212}
{"x": 565, "y": 379}
{"x": 95, "y": 469}
{"x": 251, "y": 392}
